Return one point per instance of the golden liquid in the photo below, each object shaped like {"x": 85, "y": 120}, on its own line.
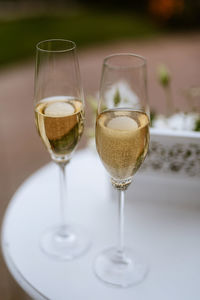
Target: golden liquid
{"x": 60, "y": 130}
{"x": 123, "y": 146}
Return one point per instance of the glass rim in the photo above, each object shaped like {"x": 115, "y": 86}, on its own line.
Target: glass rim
{"x": 55, "y": 40}
{"x": 140, "y": 58}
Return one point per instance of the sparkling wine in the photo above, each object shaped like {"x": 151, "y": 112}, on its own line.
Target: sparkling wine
{"x": 122, "y": 138}
{"x": 59, "y": 121}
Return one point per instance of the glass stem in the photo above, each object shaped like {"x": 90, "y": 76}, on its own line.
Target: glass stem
{"x": 63, "y": 190}
{"x": 121, "y": 221}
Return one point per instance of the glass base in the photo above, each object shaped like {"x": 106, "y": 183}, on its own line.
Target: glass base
{"x": 119, "y": 269}
{"x": 65, "y": 243}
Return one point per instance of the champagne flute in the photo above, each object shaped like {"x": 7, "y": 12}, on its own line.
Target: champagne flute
{"x": 59, "y": 116}
{"x": 122, "y": 138}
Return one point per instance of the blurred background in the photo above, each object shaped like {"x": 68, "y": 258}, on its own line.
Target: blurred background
{"x": 166, "y": 32}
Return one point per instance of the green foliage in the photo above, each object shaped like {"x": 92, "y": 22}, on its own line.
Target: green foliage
{"x": 19, "y": 36}
{"x": 152, "y": 117}
{"x": 164, "y": 76}
{"x": 117, "y": 98}
{"x": 197, "y": 125}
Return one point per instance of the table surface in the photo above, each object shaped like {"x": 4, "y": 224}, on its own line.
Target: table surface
{"x": 162, "y": 224}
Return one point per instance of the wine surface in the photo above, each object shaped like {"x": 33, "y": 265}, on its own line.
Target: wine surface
{"x": 59, "y": 121}
{"x": 122, "y": 138}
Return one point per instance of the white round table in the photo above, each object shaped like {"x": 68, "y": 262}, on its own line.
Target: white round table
{"x": 162, "y": 224}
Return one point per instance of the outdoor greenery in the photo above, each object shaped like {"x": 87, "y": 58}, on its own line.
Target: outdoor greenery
{"x": 19, "y": 35}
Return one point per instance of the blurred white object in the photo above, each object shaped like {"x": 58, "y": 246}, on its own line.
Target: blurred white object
{"x": 160, "y": 122}
{"x": 121, "y": 93}
{"x": 178, "y": 121}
